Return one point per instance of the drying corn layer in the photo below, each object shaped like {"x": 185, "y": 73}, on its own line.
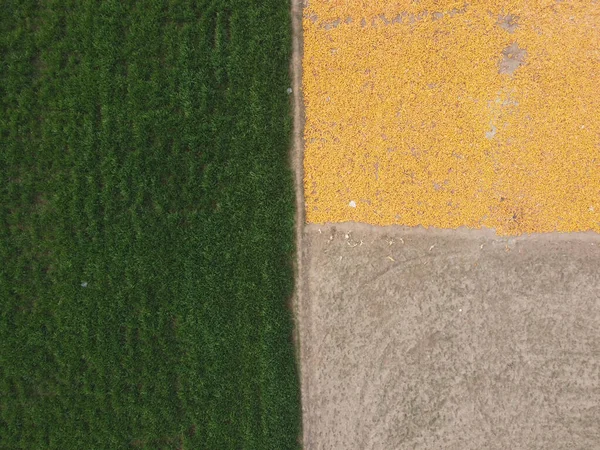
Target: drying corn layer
{"x": 448, "y": 114}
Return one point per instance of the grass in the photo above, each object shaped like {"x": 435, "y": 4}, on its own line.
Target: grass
{"x": 146, "y": 222}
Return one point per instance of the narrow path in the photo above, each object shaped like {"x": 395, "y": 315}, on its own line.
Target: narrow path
{"x": 297, "y": 156}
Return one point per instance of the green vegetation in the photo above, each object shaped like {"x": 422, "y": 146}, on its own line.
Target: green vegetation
{"x": 146, "y": 220}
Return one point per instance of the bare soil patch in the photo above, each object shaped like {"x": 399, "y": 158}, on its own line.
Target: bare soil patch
{"x": 459, "y": 339}
{"x": 420, "y": 339}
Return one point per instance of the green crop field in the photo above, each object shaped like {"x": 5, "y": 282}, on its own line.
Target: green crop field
{"x": 146, "y": 225}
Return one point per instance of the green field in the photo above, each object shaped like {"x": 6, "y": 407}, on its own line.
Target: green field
{"x": 146, "y": 220}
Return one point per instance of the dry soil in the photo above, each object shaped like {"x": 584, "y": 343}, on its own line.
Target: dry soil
{"x": 457, "y": 339}
{"x": 429, "y": 339}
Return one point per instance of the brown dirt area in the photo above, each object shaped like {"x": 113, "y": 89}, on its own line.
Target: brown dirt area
{"x": 457, "y": 339}
{"x": 421, "y": 339}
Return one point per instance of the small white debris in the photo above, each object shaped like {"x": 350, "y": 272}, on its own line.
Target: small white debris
{"x": 490, "y": 134}
{"x": 460, "y": 310}
{"x": 391, "y": 259}
{"x": 289, "y": 90}
{"x": 592, "y": 209}
{"x": 432, "y": 247}
{"x": 84, "y": 284}
{"x": 481, "y": 246}
{"x": 352, "y": 204}
{"x": 320, "y": 231}
{"x": 401, "y": 241}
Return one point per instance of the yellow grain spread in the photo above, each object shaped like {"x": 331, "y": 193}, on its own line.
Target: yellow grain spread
{"x": 409, "y": 120}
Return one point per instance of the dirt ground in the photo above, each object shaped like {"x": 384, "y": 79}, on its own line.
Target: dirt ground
{"x": 425, "y": 339}
{"x": 452, "y": 339}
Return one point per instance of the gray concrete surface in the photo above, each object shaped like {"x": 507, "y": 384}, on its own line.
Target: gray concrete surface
{"x": 429, "y": 339}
